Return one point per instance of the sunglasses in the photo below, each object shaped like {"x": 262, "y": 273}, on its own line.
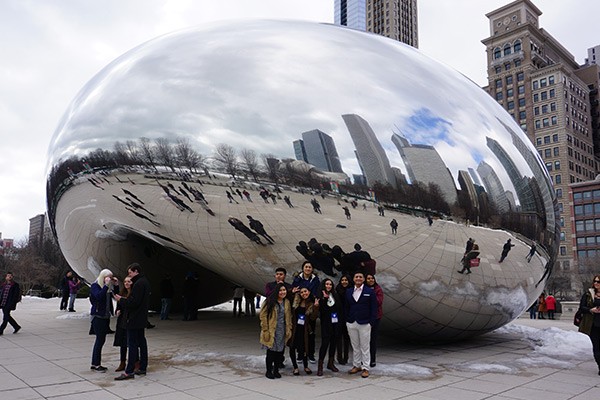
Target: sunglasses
{"x": 596, "y": 281}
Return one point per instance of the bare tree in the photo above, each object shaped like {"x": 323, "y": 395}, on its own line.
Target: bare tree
{"x": 133, "y": 151}
{"x": 250, "y": 162}
{"x": 187, "y": 156}
{"x": 120, "y": 153}
{"x": 271, "y": 163}
{"x": 147, "y": 152}
{"x": 226, "y": 157}
{"x": 164, "y": 153}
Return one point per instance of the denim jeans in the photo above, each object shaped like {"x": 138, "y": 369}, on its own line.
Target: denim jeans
{"x": 136, "y": 339}
{"x": 100, "y": 327}
{"x": 165, "y": 308}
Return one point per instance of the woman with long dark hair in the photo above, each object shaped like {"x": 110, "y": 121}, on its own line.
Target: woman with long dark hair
{"x": 343, "y": 340}
{"x": 371, "y": 282}
{"x": 304, "y": 313}
{"x": 275, "y": 328}
{"x": 590, "y": 322}
{"x": 120, "y": 339}
{"x": 329, "y": 312}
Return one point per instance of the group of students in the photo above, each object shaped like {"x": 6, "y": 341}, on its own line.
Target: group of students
{"x": 349, "y": 315}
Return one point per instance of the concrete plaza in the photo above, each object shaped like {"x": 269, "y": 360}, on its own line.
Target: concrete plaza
{"x": 218, "y": 357}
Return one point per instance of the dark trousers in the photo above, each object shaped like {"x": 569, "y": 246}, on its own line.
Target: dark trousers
{"x": 595, "y": 338}
{"x": 328, "y": 340}
{"x": 64, "y": 300}
{"x": 550, "y": 314}
{"x": 136, "y": 342}
{"x": 7, "y": 319}
{"x": 343, "y": 343}
{"x": 311, "y": 339}
{"x": 373, "y": 342}
{"x": 100, "y": 328}
{"x": 237, "y": 304}
{"x": 298, "y": 353}
{"x": 190, "y": 309}
{"x": 273, "y": 360}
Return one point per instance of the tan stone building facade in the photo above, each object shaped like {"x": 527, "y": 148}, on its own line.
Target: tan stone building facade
{"x": 538, "y": 82}
{"x": 396, "y": 19}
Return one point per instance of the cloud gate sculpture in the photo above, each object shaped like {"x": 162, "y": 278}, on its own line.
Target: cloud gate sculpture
{"x": 322, "y": 134}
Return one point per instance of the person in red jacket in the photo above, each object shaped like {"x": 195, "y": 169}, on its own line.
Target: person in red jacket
{"x": 550, "y": 305}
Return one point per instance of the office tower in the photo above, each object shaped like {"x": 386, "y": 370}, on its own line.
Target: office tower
{"x": 424, "y": 164}
{"x": 493, "y": 187}
{"x": 536, "y": 80}
{"x": 318, "y": 148}
{"x": 371, "y": 156}
{"x": 396, "y": 19}
{"x": 593, "y": 55}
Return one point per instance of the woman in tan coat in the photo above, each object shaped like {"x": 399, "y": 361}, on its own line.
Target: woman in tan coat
{"x": 275, "y": 329}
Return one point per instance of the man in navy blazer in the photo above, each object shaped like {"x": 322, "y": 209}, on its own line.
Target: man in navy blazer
{"x": 361, "y": 313}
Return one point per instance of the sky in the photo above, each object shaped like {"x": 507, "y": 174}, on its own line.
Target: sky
{"x": 52, "y": 48}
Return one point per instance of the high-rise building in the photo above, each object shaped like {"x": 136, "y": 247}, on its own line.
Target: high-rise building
{"x": 593, "y": 55}
{"x": 318, "y": 148}
{"x": 371, "y": 156}
{"x": 536, "y": 80}
{"x": 396, "y": 19}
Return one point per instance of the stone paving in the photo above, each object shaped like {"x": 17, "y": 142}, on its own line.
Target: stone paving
{"x": 218, "y": 357}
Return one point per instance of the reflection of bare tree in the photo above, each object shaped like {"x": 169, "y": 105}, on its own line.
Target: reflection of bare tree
{"x": 226, "y": 157}
{"x": 186, "y": 156}
{"x": 271, "y": 163}
{"x": 148, "y": 156}
{"x": 132, "y": 150}
{"x": 164, "y": 153}
{"x": 250, "y": 161}
{"x": 120, "y": 153}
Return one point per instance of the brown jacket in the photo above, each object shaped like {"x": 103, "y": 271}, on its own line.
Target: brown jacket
{"x": 311, "y": 313}
{"x": 269, "y": 323}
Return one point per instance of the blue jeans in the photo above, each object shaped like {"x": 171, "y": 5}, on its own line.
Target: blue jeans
{"x": 72, "y": 298}
{"x": 100, "y": 327}
{"x": 165, "y": 308}
{"x": 136, "y": 339}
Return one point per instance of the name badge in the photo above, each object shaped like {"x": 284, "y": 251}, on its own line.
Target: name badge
{"x": 366, "y": 295}
{"x": 334, "y": 318}
{"x": 301, "y": 319}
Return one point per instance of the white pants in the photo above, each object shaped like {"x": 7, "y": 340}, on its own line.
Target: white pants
{"x": 360, "y": 337}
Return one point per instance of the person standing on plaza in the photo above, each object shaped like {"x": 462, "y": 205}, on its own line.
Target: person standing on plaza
{"x": 120, "y": 339}
{"x": 74, "y": 285}
{"x": 542, "y": 306}
{"x": 361, "y": 314}
{"x": 191, "y": 287}
{"x": 275, "y": 328}
{"x": 550, "y": 305}
{"x": 238, "y": 295}
{"x": 589, "y": 306}
{"x": 303, "y": 312}
{"x": 307, "y": 279}
{"x": 102, "y": 309}
{"x": 64, "y": 290}
{"x": 343, "y": 340}
{"x": 533, "y": 310}
{"x": 372, "y": 283}
{"x": 280, "y": 275}
{"x": 329, "y": 313}
{"x": 394, "y": 226}
{"x": 136, "y": 306}
{"x": 249, "y": 297}
{"x": 10, "y": 295}
{"x": 166, "y": 296}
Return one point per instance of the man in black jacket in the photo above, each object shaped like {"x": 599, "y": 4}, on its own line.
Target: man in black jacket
{"x": 10, "y": 295}
{"x": 136, "y": 306}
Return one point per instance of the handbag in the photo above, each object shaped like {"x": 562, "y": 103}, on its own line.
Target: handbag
{"x": 474, "y": 262}
{"x": 577, "y": 318}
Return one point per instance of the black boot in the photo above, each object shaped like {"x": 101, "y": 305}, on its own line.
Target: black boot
{"x": 269, "y": 363}
{"x": 331, "y": 366}
{"x": 320, "y": 368}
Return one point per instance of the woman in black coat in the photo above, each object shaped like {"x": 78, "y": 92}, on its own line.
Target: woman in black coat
{"x": 343, "y": 340}
{"x": 330, "y": 308}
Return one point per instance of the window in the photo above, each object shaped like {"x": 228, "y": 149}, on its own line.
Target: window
{"x": 548, "y": 153}
{"x": 521, "y": 102}
{"x": 557, "y": 165}
{"x": 498, "y": 69}
{"x": 517, "y": 46}
{"x": 536, "y": 85}
{"x": 536, "y": 111}
{"x": 558, "y": 179}
{"x": 497, "y": 53}
{"x": 538, "y": 141}
{"x": 546, "y": 139}
{"x": 555, "y": 138}
{"x": 552, "y": 106}
{"x": 577, "y": 196}
{"x": 559, "y": 193}
{"x": 578, "y": 210}
{"x": 589, "y": 225}
{"x": 552, "y": 93}
{"x": 551, "y": 80}
{"x": 588, "y": 209}
{"x": 517, "y": 63}
{"x": 579, "y": 226}
{"x": 537, "y": 124}
{"x": 563, "y": 251}
{"x": 498, "y": 83}
{"x": 546, "y": 122}
{"x": 543, "y": 82}
{"x": 507, "y": 50}
{"x": 499, "y": 96}
{"x": 549, "y": 166}
{"x": 509, "y": 92}
{"x": 544, "y": 95}
{"x": 510, "y": 105}
{"x": 580, "y": 241}
{"x": 562, "y": 236}
{"x": 554, "y": 120}
{"x": 597, "y": 209}
{"x": 507, "y": 66}
{"x": 536, "y": 97}
{"x": 509, "y": 80}
{"x": 520, "y": 76}
{"x": 562, "y": 221}
{"x": 522, "y": 115}
{"x": 545, "y": 109}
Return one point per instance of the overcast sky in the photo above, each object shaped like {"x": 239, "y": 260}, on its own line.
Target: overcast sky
{"x": 51, "y": 48}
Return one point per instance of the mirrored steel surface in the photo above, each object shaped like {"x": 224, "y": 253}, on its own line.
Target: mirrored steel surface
{"x": 141, "y": 163}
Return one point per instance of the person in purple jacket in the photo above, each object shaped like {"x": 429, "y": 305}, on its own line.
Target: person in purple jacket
{"x": 361, "y": 314}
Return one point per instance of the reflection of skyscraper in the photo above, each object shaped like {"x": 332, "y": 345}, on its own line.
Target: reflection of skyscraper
{"x": 396, "y": 19}
{"x": 371, "y": 156}
{"x": 424, "y": 164}
{"x": 469, "y": 195}
{"x": 494, "y": 187}
{"x": 317, "y": 148}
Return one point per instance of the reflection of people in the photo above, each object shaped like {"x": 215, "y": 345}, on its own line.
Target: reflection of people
{"x": 472, "y": 254}
{"x": 430, "y": 220}
{"x": 394, "y": 225}
{"x": 239, "y": 225}
{"x": 347, "y": 212}
{"x": 531, "y": 252}
{"x": 10, "y": 293}
{"x": 361, "y": 313}
{"x": 505, "y": 249}
{"x": 258, "y": 227}
{"x": 275, "y": 329}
